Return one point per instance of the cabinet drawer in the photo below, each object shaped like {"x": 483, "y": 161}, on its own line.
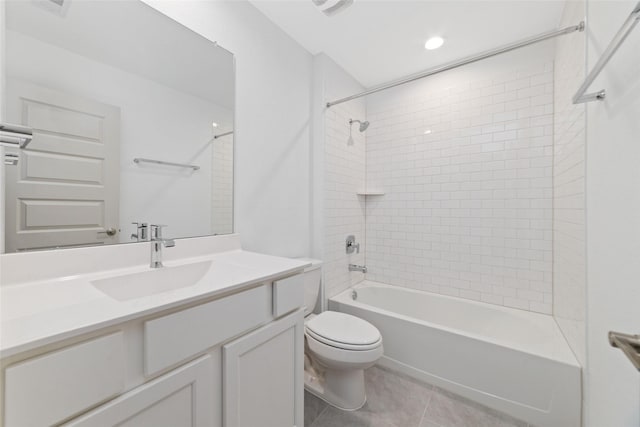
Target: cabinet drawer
{"x": 47, "y": 389}
{"x": 178, "y": 336}
{"x": 288, "y": 295}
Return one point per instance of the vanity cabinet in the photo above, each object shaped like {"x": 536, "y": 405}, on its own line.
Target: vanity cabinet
{"x": 235, "y": 360}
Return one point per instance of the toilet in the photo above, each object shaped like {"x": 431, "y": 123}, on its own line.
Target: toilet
{"x": 338, "y": 348}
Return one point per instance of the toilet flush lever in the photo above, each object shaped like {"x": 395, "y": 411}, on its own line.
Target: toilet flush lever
{"x": 351, "y": 245}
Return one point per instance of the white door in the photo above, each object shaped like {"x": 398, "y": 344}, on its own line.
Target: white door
{"x": 181, "y": 398}
{"x": 64, "y": 191}
{"x": 612, "y": 392}
{"x": 263, "y": 376}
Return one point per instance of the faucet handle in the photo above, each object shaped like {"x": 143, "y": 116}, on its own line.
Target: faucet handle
{"x": 142, "y": 231}
{"x": 156, "y": 230}
{"x": 351, "y": 245}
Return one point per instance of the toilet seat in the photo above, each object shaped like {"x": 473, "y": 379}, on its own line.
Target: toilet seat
{"x": 343, "y": 331}
{"x": 340, "y": 358}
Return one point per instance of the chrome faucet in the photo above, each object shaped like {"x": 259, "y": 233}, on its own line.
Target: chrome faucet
{"x": 354, "y": 267}
{"x": 157, "y": 242}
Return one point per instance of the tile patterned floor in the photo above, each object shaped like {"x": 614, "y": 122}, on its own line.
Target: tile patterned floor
{"x": 397, "y": 401}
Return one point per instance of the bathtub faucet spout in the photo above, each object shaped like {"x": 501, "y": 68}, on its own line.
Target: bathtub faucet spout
{"x": 354, "y": 267}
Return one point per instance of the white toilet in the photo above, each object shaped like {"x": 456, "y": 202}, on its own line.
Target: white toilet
{"x": 338, "y": 348}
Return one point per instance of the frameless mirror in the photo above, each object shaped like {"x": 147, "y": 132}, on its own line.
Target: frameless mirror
{"x": 132, "y": 118}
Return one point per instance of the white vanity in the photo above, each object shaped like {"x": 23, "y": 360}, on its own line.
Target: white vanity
{"x": 122, "y": 132}
{"x": 215, "y": 338}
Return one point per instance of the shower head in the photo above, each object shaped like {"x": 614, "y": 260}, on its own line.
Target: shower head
{"x": 363, "y": 125}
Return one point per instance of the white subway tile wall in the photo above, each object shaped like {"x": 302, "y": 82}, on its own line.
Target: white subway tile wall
{"x": 344, "y": 209}
{"x": 569, "y": 245}
{"x": 467, "y": 172}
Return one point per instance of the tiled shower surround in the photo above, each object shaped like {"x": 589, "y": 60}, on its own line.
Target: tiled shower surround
{"x": 569, "y": 251}
{"x": 344, "y": 209}
{"x": 467, "y": 175}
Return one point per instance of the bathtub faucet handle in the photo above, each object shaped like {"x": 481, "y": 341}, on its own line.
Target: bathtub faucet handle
{"x": 351, "y": 245}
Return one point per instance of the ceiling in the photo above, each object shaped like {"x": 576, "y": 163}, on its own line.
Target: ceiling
{"x": 381, "y": 40}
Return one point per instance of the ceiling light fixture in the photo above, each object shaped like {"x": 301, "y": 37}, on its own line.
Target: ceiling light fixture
{"x": 434, "y": 43}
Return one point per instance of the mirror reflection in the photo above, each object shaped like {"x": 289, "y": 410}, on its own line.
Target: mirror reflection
{"x": 131, "y": 124}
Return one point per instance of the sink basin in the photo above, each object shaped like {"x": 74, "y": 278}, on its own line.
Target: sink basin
{"x": 152, "y": 282}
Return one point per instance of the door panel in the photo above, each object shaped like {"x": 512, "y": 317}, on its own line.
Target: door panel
{"x": 174, "y": 410}
{"x": 49, "y": 167}
{"x": 263, "y": 376}
{"x": 36, "y": 214}
{"x": 64, "y": 191}
{"x": 184, "y": 397}
{"x": 57, "y": 116}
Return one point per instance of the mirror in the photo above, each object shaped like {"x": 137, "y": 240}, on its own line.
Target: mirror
{"x": 132, "y": 118}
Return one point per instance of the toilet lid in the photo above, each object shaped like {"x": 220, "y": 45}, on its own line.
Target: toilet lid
{"x": 341, "y": 328}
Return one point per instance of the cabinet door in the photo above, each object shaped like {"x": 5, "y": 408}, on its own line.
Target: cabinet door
{"x": 182, "y": 398}
{"x": 263, "y": 376}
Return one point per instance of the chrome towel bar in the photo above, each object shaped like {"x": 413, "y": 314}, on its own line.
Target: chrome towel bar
{"x": 618, "y": 39}
{"x": 160, "y": 162}
{"x": 629, "y": 344}
{"x": 15, "y": 135}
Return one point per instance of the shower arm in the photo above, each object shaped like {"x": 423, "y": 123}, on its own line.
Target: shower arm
{"x": 461, "y": 62}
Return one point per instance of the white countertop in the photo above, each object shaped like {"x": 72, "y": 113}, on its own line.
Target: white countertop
{"x": 33, "y": 314}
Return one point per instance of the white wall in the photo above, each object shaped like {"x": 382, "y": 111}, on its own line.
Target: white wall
{"x": 222, "y": 185}
{"x": 157, "y": 122}
{"x": 569, "y": 246}
{"x": 343, "y": 175}
{"x": 273, "y": 103}
{"x": 613, "y": 220}
{"x": 2, "y": 119}
{"x": 467, "y": 209}
{"x": 317, "y": 158}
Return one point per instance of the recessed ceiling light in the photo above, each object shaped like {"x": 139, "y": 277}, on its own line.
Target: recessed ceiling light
{"x": 427, "y": 132}
{"x": 214, "y": 124}
{"x": 434, "y": 43}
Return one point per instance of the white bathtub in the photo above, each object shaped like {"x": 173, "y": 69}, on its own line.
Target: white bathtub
{"x": 511, "y": 360}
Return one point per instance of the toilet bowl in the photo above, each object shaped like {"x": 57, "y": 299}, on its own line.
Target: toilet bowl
{"x": 338, "y": 348}
{"x": 341, "y": 347}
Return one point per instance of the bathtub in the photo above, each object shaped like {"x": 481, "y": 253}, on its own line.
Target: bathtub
{"x": 511, "y": 360}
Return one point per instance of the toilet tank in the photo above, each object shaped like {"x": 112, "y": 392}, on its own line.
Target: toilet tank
{"x": 312, "y": 284}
